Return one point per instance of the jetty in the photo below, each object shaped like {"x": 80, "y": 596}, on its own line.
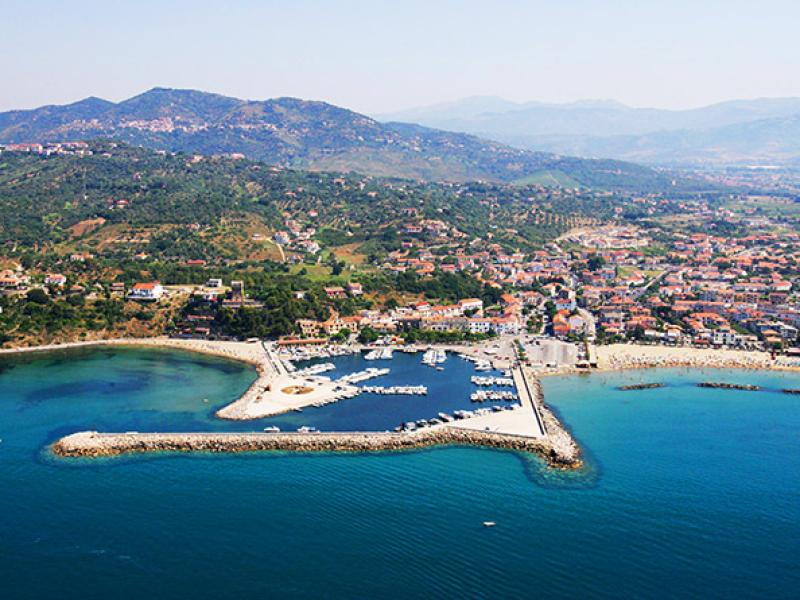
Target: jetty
{"x": 94, "y": 444}
{"x": 640, "y": 386}
{"x": 729, "y": 386}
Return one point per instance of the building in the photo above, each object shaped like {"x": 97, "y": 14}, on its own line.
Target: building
{"x": 56, "y": 279}
{"x": 146, "y": 292}
{"x": 335, "y": 292}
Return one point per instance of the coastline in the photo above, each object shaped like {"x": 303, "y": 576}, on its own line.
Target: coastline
{"x": 242, "y": 351}
{"x": 555, "y": 444}
{"x": 618, "y": 357}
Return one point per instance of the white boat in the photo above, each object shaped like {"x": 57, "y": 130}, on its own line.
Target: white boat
{"x": 272, "y": 429}
{"x": 434, "y": 357}
{"x": 379, "y": 354}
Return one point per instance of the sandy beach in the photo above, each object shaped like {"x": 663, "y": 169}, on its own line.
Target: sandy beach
{"x": 632, "y": 356}
{"x": 251, "y": 353}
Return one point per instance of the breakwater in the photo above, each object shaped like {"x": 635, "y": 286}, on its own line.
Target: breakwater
{"x": 729, "y": 386}
{"x": 640, "y": 386}
{"x": 94, "y": 444}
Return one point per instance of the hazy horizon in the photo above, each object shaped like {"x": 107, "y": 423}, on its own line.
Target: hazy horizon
{"x": 444, "y": 102}
{"x": 380, "y": 57}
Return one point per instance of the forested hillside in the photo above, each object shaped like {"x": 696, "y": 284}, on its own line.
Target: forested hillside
{"x": 314, "y": 135}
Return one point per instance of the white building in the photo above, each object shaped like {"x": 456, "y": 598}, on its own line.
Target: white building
{"x": 149, "y": 292}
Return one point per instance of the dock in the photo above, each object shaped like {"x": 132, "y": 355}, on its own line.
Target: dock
{"x": 524, "y": 421}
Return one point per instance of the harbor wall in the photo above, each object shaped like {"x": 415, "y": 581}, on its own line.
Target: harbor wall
{"x": 94, "y": 444}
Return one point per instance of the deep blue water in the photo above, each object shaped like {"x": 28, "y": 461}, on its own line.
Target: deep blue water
{"x": 689, "y": 492}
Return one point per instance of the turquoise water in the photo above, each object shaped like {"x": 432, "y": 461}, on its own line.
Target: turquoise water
{"x": 689, "y": 493}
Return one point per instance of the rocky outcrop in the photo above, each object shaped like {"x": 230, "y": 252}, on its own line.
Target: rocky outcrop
{"x": 554, "y": 450}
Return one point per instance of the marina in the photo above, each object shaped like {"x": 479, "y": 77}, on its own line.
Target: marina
{"x": 440, "y": 495}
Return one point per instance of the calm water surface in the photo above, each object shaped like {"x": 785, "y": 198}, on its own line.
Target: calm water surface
{"x": 689, "y": 492}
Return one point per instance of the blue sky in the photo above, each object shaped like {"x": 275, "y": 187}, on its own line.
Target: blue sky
{"x": 376, "y": 56}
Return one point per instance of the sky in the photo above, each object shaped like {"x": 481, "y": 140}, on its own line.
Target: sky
{"x": 379, "y": 56}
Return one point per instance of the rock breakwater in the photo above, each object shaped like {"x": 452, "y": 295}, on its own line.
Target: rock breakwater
{"x": 640, "y": 386}
{"x": 93, "y": 444}
{"x": 729, "y": 386}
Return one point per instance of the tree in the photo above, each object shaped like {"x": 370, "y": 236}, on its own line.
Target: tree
{"x": 596, "y": 262}
{"x": 37, "y": 296}
{"x": 368, "y": 335}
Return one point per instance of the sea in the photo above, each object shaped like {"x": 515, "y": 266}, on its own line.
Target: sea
{"x": 687, "y": 492}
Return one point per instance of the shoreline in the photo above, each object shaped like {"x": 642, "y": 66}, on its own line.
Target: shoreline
{"x": 613, "y": 357}
{"x": 556, "y": 444}
{"x": 621, "y": 357}
{"x": 240, "y": 351}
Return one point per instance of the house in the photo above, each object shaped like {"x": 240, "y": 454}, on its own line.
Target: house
{"x": 309, "y": 328}
{"x": 473, "y": 305}
{"x": 479, "y": 325}
{"x": 335, "y": 292}
{"x": 355, "y": 289}
{"x": 11, "y": 281}
{"x": 56, "y": 279}
{"x": 146, "y": 292}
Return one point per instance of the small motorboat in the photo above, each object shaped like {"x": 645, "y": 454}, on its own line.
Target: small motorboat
{"x": 489, "y": 523}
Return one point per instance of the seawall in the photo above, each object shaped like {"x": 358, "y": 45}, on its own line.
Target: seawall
{"x": 94, "y": 444}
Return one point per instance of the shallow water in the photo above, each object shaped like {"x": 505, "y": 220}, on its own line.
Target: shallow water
{"x": 689, "y": 492}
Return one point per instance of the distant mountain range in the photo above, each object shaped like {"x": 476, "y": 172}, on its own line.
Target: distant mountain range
{"x": 729, "y": 133}
{"x": 312, "y": 135}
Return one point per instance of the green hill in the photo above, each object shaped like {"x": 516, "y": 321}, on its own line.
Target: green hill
{"x": 311, "y": 135}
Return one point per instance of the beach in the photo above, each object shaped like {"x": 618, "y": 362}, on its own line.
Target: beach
{"x": 633, "y": 356}
{"x": 248, "y": 352}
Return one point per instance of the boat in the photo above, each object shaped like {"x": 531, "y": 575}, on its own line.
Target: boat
{"x": 434, "y": 357}
{"x": 489, "y": 523}
{"x": 379, "y": 354}
{"x": 306, "y": 429}
{"x": 272, "y": 429}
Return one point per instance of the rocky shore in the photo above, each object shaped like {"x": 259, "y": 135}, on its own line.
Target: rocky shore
{"x": 554, "y": 450}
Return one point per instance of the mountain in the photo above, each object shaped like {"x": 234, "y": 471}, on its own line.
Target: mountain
{"x": 738, "y": 131}
{"x": 765, "y": 141}
{"x": 312, "y": 135}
